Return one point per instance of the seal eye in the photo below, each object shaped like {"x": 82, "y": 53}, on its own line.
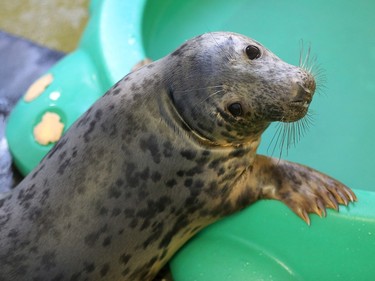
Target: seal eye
{"x": 235, "y": 109}
{"x": 252, "y": 52}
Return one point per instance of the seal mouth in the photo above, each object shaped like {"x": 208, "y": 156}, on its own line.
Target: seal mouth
{"x": 301, "y": 103}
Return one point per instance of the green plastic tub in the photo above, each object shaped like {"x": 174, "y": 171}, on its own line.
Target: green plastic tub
{"x": 266, "y": 241}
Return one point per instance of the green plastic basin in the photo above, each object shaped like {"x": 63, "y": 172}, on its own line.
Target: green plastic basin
{"x": 266, "y": 241}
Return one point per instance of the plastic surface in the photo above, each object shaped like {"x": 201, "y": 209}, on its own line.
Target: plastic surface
{"x": 266, "y": 241}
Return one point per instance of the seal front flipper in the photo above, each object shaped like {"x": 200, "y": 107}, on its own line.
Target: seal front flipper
{"x": 302, "y": 189}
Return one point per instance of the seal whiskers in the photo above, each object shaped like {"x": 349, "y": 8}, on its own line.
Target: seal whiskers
{"x": 310, "y": 64}
{"x": 288, "y": 134}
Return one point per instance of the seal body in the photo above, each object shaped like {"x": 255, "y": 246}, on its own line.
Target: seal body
{"x": 166, "y": 151}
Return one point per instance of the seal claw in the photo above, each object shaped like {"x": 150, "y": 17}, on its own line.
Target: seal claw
{"x": 350, "y": 194}
{"x": 302, "y": 189}
{"x": 320, "y": 209}
{"x": 304, "y": 215}
{"x": 332, "y": 202}
{"x": 342, "y": 197}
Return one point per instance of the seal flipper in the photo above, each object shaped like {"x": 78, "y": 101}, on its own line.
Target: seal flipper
{"x": 303, "y": 189}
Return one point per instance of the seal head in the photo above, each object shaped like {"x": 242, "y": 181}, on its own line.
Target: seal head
{"x": 238, "y": 88}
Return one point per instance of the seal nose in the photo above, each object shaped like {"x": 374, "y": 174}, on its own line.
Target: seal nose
{"x": 304, "y": 95}
{"x": 305, "y": 90}
{"x": 309, "y": 85}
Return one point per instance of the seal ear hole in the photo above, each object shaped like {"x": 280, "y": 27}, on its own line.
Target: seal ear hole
{"x": 235, "y": 109}
{"x": 252, "y": 52}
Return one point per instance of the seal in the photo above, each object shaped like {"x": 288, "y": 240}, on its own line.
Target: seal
{"x": 166, "y": 151}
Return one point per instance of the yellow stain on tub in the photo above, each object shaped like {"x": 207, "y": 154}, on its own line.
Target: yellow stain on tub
{"x": 38, "y": 87}
{"x": 49, "y": 129}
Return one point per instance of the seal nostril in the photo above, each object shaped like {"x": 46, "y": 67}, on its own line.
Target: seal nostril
{"x": 304, "y": 95}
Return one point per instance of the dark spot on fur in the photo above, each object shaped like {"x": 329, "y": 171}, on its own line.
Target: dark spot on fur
{"x": 188, "y": 154}
{"x": 168, "y": 149}
{"x": 74, "y": 153}
{"x": 206, "y": 153}
{"x": 157, "y": 231}
{"x": 132, "y": 178}
{"x": 4, "y": 218}
{"x": 98, "y": 114}
{"x": 91, "y": 238}
{"x": 156, "y": 176}
{"x": 228, "y": 136}
{"x": 151, "y": 144}
{"x": 62, "y": 155}
{"x": 188, "y": 182}
{"x": 194, "y": 171}
{"x": 114, "y": 192}
{"x": 151, "y": 261}
{"x": 198, "y": 184}
{"x": 89, "y": 131}
{"x": 180, "y": 223}
{"x": 245, "y": 198}
{"x": 107, "y": 241}
{"x": 104, "y": 270}
{"x": 180, "y": 173}
{"x": 221, "y": 171}
{"x": 45, "y": 196}
{"x": 115, "y": 92}
{"x": 125, "y": 258}
{"x": 214, "y": 163}
{"x": 145, "y": 174}
{"x": 63, "y": 166}
{"x": 13, "y": 233}
{"x": 134, "y": 87}
{"x": 26, "y": 194}
{"x": 239, "y": 152}
{"x": 89, "y": 267}
{"x": 171, "y": 183}
{"x": 154, "y": 207}
{"x": 2, "y": 201}
{"x": 212, "y": 190}
{"x": 115, "y": 212}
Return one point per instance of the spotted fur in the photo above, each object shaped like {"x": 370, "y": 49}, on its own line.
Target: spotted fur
{"x": 155, "y": 160}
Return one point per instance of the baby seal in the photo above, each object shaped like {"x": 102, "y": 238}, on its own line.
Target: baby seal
{"x": 165, "y": 152}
